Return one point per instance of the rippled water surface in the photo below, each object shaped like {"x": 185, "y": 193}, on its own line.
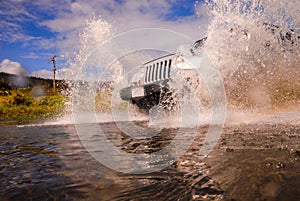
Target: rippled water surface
{"x": 48, "y": 162}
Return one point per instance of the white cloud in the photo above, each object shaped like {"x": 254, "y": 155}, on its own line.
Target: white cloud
{"x": 31, "y": 55}
{"x": 43, "y": 74}
{"x": 12, "y": 67}
{"x": 12, "y": 14}
{"x": 76, "y": 8}
{"x": 129, "y": 15}
{"x": 65, "y": 24}
{"x": 63, "y": 73}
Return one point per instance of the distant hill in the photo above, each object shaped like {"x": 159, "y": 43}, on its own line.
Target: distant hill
{"x": 10, "y": 81}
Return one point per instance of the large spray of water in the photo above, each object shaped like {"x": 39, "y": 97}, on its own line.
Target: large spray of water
{"x": 255, "y": 44}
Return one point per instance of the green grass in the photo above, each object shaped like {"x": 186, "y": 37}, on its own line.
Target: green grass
{"x": 21, "y": 104}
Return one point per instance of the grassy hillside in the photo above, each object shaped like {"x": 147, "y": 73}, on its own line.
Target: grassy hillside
{"x": 29, "y": 97}
{"x": 22, "y": 104}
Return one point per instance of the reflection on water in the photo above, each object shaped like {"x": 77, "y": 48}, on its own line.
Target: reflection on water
{"x": 50, "y": 163}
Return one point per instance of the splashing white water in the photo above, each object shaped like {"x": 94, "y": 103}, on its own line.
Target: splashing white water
{"x": 259, "y": 68}
{"x": 255, "y": 44}
{"x": 95, "y": 32}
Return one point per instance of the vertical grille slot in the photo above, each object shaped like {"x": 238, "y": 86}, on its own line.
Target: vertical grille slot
{"x": 161, "y": 72}
{"x": 153, "y": 73}
{"x": 146, "y": 74}
{"x": 156, "y": 71}
{"x": 169, "y": 68}
{"x": 150, "y": 73}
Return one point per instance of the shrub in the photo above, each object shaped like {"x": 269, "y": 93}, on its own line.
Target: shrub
{"x": 20, "y": 104}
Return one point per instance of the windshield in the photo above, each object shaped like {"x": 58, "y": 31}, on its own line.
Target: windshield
{"x": 197, "y": 44}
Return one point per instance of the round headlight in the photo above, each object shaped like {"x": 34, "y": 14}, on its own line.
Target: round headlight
{"x": 179, "y": 61}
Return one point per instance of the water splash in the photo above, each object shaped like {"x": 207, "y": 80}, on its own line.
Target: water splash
{"x": 255, "y": 44}
{"x": 95, "y": 32}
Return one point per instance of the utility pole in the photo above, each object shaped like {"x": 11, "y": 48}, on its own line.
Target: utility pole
{"x": 54, "y": 69}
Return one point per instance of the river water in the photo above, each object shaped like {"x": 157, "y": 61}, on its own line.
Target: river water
{"x": 49, "y": 163}
{"x": 256, "y": 161}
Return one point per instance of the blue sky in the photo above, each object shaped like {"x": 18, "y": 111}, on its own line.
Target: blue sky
{"x": 32, "y": 31}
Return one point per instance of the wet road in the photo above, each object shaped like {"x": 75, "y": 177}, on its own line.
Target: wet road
{"x": 251, "y": 162}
